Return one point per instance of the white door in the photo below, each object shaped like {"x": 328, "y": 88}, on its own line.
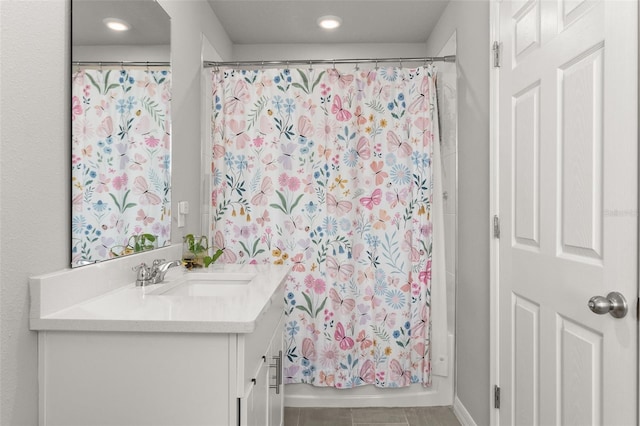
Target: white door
{"x": 568, "y": 206}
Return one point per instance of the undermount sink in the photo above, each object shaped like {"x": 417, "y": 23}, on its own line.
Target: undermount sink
{"x": 203, "y": 284}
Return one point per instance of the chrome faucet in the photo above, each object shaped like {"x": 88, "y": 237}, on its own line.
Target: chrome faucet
{"x": 143, "y": 276}
{"x": 160, "y": 268}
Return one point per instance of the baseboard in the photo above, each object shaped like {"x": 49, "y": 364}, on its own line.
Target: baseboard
{"x": 462, "y": 414}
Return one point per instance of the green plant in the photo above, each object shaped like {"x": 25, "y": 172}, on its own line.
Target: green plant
{"x": 208, "y": 260}
{"x": 199, "y": 248}
{"x": 196, "y": 245}
{"x": 142, "y": 242}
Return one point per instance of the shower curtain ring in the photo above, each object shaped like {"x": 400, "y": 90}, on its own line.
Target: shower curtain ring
{"x": 376, "y": 65}
{"x": 310, "y": 66}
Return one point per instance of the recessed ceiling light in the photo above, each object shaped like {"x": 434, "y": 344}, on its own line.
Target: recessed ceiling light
{"x": 116, "y": 24}
{"x": 329, "y": 22}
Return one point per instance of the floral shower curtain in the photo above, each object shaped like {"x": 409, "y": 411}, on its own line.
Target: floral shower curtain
{"x": 120, "y": 161}
{"x": 330, "y": 172}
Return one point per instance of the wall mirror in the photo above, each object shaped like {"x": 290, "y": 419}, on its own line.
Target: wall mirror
{"x": 121, "y": 128}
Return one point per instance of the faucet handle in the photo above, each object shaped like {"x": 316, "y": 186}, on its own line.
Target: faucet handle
{"x": 157, "y": 262}
{"x": 144, "y": 274}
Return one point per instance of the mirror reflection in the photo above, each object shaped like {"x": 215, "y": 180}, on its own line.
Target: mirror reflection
{"x": 121, "y": 129}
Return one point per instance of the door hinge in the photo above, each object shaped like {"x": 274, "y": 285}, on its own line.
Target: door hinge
{"x": 496, "y": 396}
{"x": 497, "y": 54}
{"x": 496, "y": 226}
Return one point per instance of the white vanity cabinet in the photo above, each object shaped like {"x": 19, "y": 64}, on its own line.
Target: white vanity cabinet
{"x": 163, "y": 360}
{"x": 263, "y": 403}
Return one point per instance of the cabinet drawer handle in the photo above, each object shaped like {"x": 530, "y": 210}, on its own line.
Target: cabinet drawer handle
{"x": 278, "y": 367}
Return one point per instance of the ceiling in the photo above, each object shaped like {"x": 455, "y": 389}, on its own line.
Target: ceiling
{"x": 265, "y": 21}
{"x": 294, "y": 21}
{"x": 150, "y": 24}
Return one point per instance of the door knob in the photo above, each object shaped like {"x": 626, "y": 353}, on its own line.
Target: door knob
{"x": 614, "y": 303}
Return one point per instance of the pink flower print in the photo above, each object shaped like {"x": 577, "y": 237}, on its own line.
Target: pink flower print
{"x": 327, "y": 315}
{"x": 283, "y": 180}
{"x": 120, "y": 182}
{"x": 415, "y": 289}
{"x": 308, "y": 281}
{"x": 151, "y": 141}
{"x": 329, "y": 356}
{"x": 317, "y": 285}
{"x": 258, "y": 141}
{"x": 324, "y": 90}
{"x": 294, "y": 183}
{"x": 427, "y": 229}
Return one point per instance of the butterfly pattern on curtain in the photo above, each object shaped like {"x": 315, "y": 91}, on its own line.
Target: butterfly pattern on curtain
{"x": 120, "y": 160}
{"x": 330, "y": 173}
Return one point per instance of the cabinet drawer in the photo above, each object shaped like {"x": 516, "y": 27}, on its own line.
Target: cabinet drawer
{"x": 253, "y": 347}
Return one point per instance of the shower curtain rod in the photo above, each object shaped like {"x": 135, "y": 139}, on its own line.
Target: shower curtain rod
{"x": 121, "y": 63}
{"x": 212, "y": 64}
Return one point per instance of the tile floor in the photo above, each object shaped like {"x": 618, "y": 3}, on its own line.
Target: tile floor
{"x": 413, "y": 416}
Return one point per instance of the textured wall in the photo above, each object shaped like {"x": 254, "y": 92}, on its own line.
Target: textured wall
{"x": 35, "y": 164}
{"x": 470, "y": 20}
{"x": 34, "y": 175}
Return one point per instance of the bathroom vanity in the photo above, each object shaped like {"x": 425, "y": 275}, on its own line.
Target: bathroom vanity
{"x": 201, "y": 348}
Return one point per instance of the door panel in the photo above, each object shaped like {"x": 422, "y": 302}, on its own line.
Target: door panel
{"x": 567, "y": 113}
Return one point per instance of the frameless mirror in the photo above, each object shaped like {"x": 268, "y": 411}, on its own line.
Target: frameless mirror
{"x": 121, "y": 128}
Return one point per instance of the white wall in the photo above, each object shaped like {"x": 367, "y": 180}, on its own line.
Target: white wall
{"x": 156, "y": 53}
{"x": 35, "y": 169}
{"x": 35, "y": 178}
{"x": 192, "y": 21}
{"x": 263, "y": 52}
{"x": 470, "y": 20}
{"x": 35, "y": 164}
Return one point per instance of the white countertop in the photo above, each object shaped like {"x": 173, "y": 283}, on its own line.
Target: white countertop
{"x": 143, "y": 309}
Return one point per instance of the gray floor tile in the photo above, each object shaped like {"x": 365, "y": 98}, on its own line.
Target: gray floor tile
{"x": 378, "y": 415}
{"x": 380, "y": 424}
{"x": 432, "y": 416}
{"x": 291, "y": 416}
{"x": 325, "y": 417}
